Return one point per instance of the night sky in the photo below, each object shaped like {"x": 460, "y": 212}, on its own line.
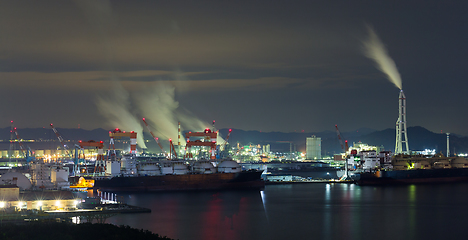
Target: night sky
{"x": 254, "y": 65}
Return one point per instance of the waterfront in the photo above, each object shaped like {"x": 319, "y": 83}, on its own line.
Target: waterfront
{"x": 305, "y": 211}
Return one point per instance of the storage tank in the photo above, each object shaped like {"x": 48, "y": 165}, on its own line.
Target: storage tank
{"x": 166, "y": 168}
{"x": 17, "y": 179}
{"x": 425, "y": 165}
{"x": 229, "y": 166}
{"x": 400, "y": 165}
{"x": 180, "y": 168}
{"x": 148, "y": 169}
{"x": 442, "y": 164}
{"x": 460, "y": 162}
{"x": 204, "y": 167}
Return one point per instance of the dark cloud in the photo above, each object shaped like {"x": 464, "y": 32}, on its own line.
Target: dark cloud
{"x": 265, "y": 65}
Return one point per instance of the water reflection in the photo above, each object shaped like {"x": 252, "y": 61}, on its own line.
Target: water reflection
{"x": 305, "y": 211}
{"x": 198, "y": 215}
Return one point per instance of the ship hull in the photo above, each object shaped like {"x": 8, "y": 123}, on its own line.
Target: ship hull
{"x": 418, "y": 176}
{"x": 246, "y": 179}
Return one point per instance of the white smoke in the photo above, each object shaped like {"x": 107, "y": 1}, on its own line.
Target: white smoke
{"x": 116, "y": 108}
{"x": 375, "y": 50}
{"x": 158, "y": 105}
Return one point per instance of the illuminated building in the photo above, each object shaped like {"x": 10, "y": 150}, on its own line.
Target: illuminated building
{"x": 313, "y": 148}
{"x": 11, "y": 197}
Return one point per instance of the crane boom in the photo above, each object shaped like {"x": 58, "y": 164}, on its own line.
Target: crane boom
{"x": 60, "y": 138}
{"x": 155, "y": 138}
{"x": 171, "y": 148}
{"x": 339, "y": 137}
{"x": 19, "y": 141}
{"x": 227, "y": 138}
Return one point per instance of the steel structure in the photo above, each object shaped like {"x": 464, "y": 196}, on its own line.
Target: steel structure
{"x": 401, "y": 141}
{"x": 155, "y": 138}
{"x": 209, "y": 140}
{"x": 60, "y": 138}
{"x": 99, "y": 166}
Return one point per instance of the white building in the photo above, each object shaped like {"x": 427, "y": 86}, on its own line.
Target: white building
{"x": 313, "y": 148}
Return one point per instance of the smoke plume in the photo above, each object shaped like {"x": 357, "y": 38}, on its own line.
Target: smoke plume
{"x": 116, "y": 108}
{"x": 375, "y": 50}
{"x": 158, "y": 105}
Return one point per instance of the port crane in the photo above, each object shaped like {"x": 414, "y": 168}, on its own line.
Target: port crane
{"x": 172, "y": 150}
{"x": 345, "y": 149}
{"x": 155, "y": 138}
{"x": 60, "y": 138}
{"x": 209, "y": 140}
{"x": 27, "y": 153}
{"x": 218, "y": 150}
{"x": 98, "y": 167}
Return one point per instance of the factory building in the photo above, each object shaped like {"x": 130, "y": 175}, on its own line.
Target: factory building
{"x": 11, "y": 197}
{"x": 313, "y": 148}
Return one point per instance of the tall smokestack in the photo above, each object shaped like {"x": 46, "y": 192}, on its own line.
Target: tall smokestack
{"x": 178, "y": 140}
{"x": 401, "y": 145}
{"x": 448, "y": 145}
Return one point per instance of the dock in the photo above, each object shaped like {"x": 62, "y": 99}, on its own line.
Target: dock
{"x": 99, "y": 213}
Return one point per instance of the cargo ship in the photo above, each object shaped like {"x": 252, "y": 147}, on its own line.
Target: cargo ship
{"x": 129, "y": 174}
{"x": 418, "y": 169}
{"x": 188, "y": 181}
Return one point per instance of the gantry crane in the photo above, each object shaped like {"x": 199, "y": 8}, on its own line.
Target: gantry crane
{"x": 99, "y": 165}
{"x": 209, "y": 138}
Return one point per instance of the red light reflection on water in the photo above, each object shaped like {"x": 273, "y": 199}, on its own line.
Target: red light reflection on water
{"x": 223, "y": 221}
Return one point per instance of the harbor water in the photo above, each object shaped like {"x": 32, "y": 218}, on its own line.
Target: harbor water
{"x": 305, "y": 211}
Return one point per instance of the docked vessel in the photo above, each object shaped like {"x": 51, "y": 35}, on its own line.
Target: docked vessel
{"x": 418, "y": 169}
{"x": 188, "y": 181}
{"x": 129, "y": 174}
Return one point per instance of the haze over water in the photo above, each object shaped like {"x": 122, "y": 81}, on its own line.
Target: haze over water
{"x": 305, "y": 211}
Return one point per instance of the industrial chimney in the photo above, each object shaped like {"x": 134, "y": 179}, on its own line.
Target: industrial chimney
{"x": 401, "y": 143}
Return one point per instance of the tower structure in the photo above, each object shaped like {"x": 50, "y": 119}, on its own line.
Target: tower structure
{"x": 448, "y": 144}
{"x": 401, "y": 142}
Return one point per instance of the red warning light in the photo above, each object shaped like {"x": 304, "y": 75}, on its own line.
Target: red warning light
{"x": 101, "y": 142}
{"x": 230, "y": 130}
{"x": 143, "y": 119}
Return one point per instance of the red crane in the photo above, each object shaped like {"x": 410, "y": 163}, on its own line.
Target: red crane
{"x": 172, "y": 149}
{"x": 19, "y": 141}
{"x": 155, "y": 138}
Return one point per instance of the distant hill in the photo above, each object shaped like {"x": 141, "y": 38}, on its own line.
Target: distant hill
{"x": 419, "y": 138}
